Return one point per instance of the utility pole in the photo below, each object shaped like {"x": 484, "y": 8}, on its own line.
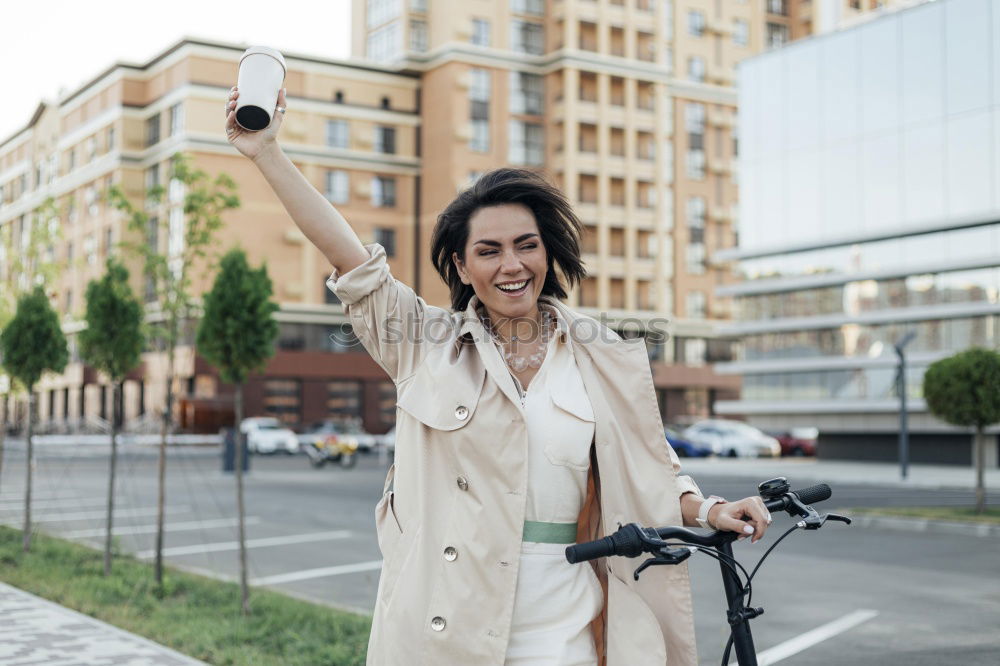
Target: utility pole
{"x": 904, "y": 433}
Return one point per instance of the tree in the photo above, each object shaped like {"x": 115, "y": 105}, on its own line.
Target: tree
{"x": 197, "y": 203}
{"x": 112, "y": 343}
{"x": 964, "y": 390}
{"x": 27, "y": 259}
{"x": 32, "y": 343}
{"x": 236, "y": 334}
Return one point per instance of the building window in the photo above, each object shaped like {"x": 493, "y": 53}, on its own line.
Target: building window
{"x": 695, "y": 215}
{"x": 343, "y": 398}
{"x": 176, "y": 119}
{"x": 382, "y": 11}
{"x": 526, "y": 93}
{"x": 480, "y": 32}
{"x": 383, "y": 192}
{"x": 696, "y": 23}
{"x": 741, "y": 32}
{"x": 386, "y": 404}
{"x": 418, "y": 6}
{"x": 694, "y": 124}
{"x": 479, "y": 109}
{"x": 153, "y": 130}
{"x": 527, "y": 143}
{"x": 777, "y": 35}
{"x": 337, "y": 133}
{"x": 527, "y": 37}
{"x": 384, "y": 43}
{"x": 385, "y": 140}
{"x": 387, "y": 239}
{"x": 111, "y": 138}
{"x": 695, "y": 305}
{"x": 532, "y": 7}
{"x": 338, "y": 187}
{"x": 696, "y": 164}
{"x": 777, "y": 7}
{"x": 283, "y": 399}
{"x": 71, "y": 164}
{"x": 694, "y": 256}
{"x": 418, "y": 35}
{"x": 696, "y": 69}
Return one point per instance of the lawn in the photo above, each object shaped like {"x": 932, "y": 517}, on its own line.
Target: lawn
{"x": 957, "y": 514}
{"x": 197, "y": 616}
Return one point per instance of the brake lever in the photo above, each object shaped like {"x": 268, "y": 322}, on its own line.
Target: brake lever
{"x": 814, "y": 521}
{"x": 665, "y": 555}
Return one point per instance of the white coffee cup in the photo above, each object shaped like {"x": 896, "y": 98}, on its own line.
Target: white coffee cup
{"x": 262, "y": 71}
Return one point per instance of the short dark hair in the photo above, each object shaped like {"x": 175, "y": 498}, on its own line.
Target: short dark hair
{"x": 558, "y": 226}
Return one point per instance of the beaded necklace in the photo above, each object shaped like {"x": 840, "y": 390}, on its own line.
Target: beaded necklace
{"x": 517, "y": 362}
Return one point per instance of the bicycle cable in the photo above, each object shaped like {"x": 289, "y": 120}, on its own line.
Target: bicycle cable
{"x": 748, "y": 589}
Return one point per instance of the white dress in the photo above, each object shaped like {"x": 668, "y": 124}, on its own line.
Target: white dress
{"x": 555, "y": 600}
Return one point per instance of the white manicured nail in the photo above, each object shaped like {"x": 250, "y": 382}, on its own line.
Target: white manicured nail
{"x": 748, "y": 529}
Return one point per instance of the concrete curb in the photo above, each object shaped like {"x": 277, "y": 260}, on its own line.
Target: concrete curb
{"x": 952, "y": 527}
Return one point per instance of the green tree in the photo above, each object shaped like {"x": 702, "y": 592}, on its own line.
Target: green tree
{"x": 32, "y": 343}
{"x": 112, "y": 343}
{"x": 201, "y": 200}
{"x": 27, "y": 259}
{"x": 236, "y": 334}
{"x": 964, "y": 390}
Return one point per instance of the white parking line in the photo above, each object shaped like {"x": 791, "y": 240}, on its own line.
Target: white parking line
{"x": 183, "y": 526}
{"x": 251, "y": 543}
{"x": 318, "y": 573}
{"x": 54, "y": 503}
{"x": 810, "y": 638}
{"x": 95, "y": 515}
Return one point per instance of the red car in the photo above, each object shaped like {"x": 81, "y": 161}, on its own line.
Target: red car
{"x": 798, "y": 442}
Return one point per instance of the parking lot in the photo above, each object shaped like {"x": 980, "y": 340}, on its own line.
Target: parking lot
{"x": 886, "y": 597}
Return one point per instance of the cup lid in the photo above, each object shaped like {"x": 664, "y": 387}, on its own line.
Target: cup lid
{"x": 268, "y": 51}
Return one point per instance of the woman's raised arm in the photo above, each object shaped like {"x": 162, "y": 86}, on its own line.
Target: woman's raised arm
{"x": 321, "y": 223}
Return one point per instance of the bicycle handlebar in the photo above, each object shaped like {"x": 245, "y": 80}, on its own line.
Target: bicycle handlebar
{"x": 628, "y": 542}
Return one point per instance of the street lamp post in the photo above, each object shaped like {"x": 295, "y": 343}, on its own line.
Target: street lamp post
{"x": 904, "y": 433}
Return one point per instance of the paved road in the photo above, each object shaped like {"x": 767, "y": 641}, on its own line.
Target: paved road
{"x": 934, "y": 599}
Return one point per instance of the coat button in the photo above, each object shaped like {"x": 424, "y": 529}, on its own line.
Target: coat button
{"x": 437, "y": 624}
{"x": 463, "y": 483}
{"x": 450, "y": 554}
{"x": 461, "y": 412}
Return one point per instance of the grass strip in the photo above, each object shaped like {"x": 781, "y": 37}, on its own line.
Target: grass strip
{"x": 950, "y": 513}
{"x": 197, "y": 616}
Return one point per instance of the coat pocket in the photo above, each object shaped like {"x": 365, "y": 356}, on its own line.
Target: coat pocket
{"x": 387, "y": 525}
{"x": 572, "y": 430}
{"x": 634, "y": 634}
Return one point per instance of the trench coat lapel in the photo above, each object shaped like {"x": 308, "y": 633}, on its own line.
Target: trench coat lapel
{"x": 497, "y": 369}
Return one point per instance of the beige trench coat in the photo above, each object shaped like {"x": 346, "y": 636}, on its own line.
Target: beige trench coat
{"x": 450, "y": 530}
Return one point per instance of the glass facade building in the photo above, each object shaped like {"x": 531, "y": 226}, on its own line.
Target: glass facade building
{"x": 869, "y": 207}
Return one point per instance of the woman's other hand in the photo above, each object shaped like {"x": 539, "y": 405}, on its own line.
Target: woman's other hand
{"x": 747, "y": 516}
{"x": 252, "y": 144}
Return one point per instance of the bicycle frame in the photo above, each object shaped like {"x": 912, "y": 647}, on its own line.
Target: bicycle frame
{"x": 746, "y": 655}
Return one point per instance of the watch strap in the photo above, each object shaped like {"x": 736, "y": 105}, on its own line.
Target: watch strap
{"x": 706, "y": 506}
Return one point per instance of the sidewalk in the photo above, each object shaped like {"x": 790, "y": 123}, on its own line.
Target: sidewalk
{"x": 34, "y": 631}
{"x": 801, "y": 472}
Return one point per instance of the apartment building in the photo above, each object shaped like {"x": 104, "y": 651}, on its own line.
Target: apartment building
{"x": 628, "y": 105}
{"x": 869, "y": 210}
{"x": 353, "y": 131}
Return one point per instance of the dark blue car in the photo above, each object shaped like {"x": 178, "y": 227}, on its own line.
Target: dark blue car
{"x": 684, "y": 448}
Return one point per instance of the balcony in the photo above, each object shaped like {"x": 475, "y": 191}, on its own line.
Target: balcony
{"x": 723, "y": 119}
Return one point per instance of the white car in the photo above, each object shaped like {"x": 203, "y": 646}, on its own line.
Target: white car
{"x": 266, "y": 434}
{"x": 733, "y": 439}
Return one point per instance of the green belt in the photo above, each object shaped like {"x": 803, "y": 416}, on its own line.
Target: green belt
{"x": 539, "y": 532}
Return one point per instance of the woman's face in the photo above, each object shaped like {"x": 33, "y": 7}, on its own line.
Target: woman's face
{"x": 504, "y": 250}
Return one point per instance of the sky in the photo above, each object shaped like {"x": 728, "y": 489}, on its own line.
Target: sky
{"x": 50, "y": 45}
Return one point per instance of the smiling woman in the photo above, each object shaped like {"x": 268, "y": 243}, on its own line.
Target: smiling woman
{"x": 526, "y": 427}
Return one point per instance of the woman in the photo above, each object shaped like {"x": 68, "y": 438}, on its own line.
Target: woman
{"x": 522, "y": 426}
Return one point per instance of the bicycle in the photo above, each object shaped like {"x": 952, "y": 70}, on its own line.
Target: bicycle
{"x": 632, "y": 541}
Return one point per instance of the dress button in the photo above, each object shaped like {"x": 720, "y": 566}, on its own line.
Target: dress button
{"x": 463, "y": 484}
{"x": 461, "y": 412}
{"x": 450, "y": 554}
{"x": 437, "y": 624}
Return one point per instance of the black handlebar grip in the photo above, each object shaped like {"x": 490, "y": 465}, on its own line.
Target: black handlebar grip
{"x": 591, "y": 550}
{"x": 818, "y": 493}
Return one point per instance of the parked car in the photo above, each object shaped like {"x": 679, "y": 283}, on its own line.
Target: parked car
{"x": 388, "y": 440}
{"x": 733, "y": 439}
{"x": 798, "y": 441}
{"x": 266, "y": 434}
{"x": 683, "y": 448}
{"x": 349, "y": 431}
